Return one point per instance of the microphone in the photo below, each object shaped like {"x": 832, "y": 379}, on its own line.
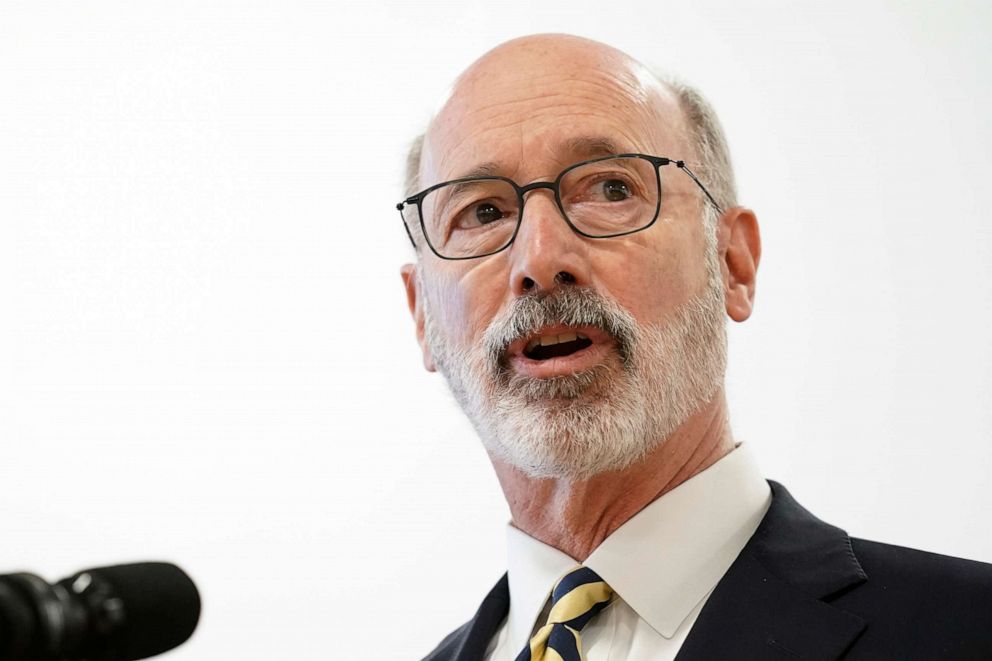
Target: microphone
{"x": 118, "y": 613}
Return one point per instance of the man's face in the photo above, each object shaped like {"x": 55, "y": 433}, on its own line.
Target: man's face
{"x": 649, "y": 304}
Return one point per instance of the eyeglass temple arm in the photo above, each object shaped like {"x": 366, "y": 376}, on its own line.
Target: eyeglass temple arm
{"x": 685, "y": 168}
{"x": 399, "y": 207}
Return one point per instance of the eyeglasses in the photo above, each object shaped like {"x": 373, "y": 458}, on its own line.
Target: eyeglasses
{"x": 600, "y": 198}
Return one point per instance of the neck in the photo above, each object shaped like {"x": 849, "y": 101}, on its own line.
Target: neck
{"x": 576, "y": 515}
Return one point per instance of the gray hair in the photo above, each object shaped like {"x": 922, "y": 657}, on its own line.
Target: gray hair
{"x": 706, "y": 135}
{"x": 708, "y": 140}
{"x": 412, "y": 179}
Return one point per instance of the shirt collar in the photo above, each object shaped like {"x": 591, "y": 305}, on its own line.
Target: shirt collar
{"x": 664, "y": 560}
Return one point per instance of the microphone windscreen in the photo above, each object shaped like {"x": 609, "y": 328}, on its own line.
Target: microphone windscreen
{"x": 17, "y": 623}
{"x": 161, "y": 607}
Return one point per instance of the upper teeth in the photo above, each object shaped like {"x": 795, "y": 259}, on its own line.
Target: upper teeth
{"x": 548, "y": 340}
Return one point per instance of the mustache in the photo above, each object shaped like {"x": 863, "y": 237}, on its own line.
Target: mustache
{"x": 569, "y": 306}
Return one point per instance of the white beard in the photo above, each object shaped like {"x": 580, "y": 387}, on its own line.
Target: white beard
{"x": 605, "y": 418}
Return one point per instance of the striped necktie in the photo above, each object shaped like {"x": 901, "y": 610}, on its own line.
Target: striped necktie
{"x": 577, "y": 597}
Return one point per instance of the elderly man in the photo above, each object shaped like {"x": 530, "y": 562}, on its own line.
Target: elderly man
{"x": 585, "y": 339}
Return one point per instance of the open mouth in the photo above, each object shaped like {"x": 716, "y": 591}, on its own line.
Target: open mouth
{"x": 544, "y": 347}
{"x": 559, "y": 351}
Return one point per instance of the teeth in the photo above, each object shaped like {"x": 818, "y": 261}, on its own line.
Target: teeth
{"x": 549, "y": 340}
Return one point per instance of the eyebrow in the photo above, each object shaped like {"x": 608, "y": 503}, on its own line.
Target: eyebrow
{"x": 591, "y": 146}
{"x": 582, "y": 147}
{"x": 456, "y": 191}
{"x": 487, "y": 169}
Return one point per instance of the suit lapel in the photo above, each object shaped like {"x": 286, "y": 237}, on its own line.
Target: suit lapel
{"x": 773, "y": 602}
{"x": 470, "y": 642}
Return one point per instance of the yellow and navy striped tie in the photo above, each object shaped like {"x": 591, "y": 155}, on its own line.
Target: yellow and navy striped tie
{"x": 577, "y": 597}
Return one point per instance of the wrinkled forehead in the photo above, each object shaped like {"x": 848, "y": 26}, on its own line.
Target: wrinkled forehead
{"x": 527, "y": 110}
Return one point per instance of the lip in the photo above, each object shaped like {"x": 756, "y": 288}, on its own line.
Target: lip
{"x": 594, "y": 354}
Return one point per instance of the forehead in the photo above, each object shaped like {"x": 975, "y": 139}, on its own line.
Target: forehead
{"x": 529, "y": 111}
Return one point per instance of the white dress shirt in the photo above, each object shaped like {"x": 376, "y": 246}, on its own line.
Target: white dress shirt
{"x": 662, "y": 564}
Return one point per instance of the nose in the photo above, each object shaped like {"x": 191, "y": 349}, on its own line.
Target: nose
{"x": 546, "y": 252}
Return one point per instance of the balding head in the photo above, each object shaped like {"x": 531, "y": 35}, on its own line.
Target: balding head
{"x": 546, "y": 78}
{"x": 534, "y": 63}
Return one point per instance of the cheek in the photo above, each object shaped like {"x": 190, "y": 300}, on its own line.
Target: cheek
{"x": 465, "y": 299}
{"x": 652, "y": 278}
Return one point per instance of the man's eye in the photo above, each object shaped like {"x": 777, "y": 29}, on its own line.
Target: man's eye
{"x": 615, "y": 190}
{"x": 487, "y": 213}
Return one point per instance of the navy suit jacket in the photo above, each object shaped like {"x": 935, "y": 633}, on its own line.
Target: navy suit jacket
{"x": 803, "y": 589}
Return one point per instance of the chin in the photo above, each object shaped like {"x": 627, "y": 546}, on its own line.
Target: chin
{"x": 569, "y": 438}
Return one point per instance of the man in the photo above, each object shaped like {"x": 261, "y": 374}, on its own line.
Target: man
{"x": 585, "y": 339}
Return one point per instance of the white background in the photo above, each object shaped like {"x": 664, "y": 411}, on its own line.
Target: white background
{"x": 206, "y": 354}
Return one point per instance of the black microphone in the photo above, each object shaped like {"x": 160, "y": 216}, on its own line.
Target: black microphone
{"x": 116, "y": 613}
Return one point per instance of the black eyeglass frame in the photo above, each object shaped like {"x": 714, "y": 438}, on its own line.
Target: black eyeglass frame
{"x": 553, "y": 186}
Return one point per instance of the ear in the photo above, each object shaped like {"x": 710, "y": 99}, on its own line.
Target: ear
{"x": 739, "y": 250}
{"x": 413, "y": 300}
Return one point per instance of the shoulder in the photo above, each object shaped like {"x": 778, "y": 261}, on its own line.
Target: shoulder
{"x": 890, "y": 561}
{"x": 915, "y": 579}
{"x": 913, "y": 604}
{"x": 927, "y": 604}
